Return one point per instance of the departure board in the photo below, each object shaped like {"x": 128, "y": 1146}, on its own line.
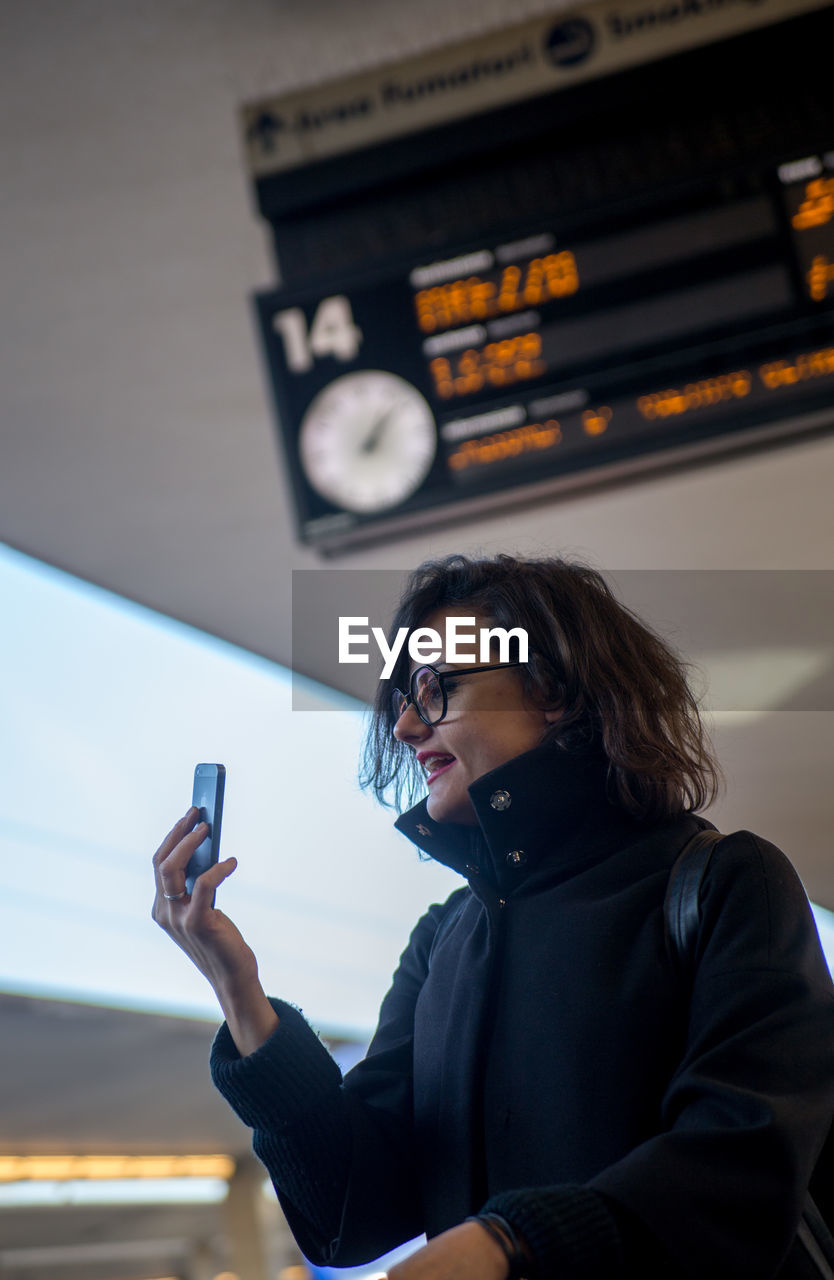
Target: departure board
{"x": 592, "y": 343}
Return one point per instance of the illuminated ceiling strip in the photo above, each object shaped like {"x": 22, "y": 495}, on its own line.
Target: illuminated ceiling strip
{"x": 67, "y": 1168}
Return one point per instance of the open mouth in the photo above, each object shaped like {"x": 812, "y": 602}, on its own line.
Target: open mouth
{"x": 436, "y": 764}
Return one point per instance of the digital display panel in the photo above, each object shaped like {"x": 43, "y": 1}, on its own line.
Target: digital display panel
{"x": 551, "y": 355}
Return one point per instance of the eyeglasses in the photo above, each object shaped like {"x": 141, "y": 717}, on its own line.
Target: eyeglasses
{"x": 428, "y": 694}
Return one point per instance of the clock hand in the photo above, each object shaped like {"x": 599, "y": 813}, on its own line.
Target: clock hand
{"x": 375, "y": 435}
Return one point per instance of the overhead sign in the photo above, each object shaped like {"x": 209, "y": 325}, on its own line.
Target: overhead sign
{"x": 537, "y": 57}
{"x": 545, "y": 358}
{"x": 602, "y": 279}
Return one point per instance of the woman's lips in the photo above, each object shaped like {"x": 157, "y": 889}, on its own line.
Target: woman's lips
{"x": 440, "y": 769}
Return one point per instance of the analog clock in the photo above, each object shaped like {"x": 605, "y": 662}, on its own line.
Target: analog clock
{"x": 367, "y": 441}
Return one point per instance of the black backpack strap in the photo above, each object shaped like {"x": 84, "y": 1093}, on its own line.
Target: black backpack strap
{"x": 816, "y": 1240}
{"x": 812, "y": 1254}
{"x": 682, "y": 904}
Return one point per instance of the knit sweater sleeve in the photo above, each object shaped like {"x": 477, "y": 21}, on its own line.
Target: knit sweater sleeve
{"x": 719, "y": 1190}
{"x": 339, "y": 1150}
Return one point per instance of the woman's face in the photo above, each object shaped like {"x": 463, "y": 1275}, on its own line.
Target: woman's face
{"x": 488, "y": 722}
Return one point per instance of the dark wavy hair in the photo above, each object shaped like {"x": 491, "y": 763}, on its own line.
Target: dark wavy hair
{"x": 617, "y": 683}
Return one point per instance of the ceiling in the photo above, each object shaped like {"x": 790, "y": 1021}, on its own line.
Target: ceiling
{"x": 137, "y": 452}
{"x": 54, "y": 1098}
{"x": 83, "y": 1079}
{"x": 137, "y": 443}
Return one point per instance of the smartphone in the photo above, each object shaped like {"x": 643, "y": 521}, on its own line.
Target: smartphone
{"x": 209, "y": 785}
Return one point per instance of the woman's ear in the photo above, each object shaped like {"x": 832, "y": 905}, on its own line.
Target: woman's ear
{"x": 553, "y": 714}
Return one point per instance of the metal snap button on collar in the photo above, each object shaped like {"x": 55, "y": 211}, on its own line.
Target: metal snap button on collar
{"x": 516, "y": 857}
{"x": 500, "y": 800}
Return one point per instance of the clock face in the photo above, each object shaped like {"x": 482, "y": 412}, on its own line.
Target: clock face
{"x": 367, "y": 441}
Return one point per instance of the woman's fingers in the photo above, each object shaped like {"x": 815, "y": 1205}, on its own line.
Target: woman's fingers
{"x": 206, "y": 884}
{"x": 209, "y": 938}
{"x": 173, "y": 856}
{"x": 170, "y": 863}
{"x": 174, "y": 836}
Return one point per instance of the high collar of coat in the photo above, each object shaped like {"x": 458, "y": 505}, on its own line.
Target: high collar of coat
{"x": 545, "y": 810}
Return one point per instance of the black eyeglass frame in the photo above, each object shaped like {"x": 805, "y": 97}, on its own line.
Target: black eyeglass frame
{"x": 409, "y": 699}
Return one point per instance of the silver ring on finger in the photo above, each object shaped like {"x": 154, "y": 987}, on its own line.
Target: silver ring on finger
{"x": 173, "y": 897}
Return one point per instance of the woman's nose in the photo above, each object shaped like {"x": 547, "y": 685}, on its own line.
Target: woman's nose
{"x": 409, "y": 727}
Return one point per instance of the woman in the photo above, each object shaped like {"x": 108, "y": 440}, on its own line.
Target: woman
{"x": 544, "y": 1096}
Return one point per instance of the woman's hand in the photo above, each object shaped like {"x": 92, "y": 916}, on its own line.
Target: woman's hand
{"x": 208, "y": 937}
{"x": 466, "y": 1252}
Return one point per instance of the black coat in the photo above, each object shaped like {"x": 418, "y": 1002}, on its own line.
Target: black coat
{"x": 537, "y": 1053}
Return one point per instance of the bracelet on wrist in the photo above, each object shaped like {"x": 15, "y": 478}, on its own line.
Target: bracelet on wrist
{"x": 504, "y": 1235}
